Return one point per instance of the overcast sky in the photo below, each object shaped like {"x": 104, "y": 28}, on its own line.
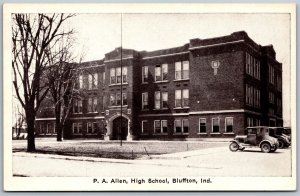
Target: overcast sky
{"x": 98, "y": 34}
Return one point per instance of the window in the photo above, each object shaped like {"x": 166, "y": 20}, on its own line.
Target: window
{"x": 271, "y": 97}
{"x": 161, "y": 72}
{"x": 164, "y": 99}
{"x": 145, "y": 74}
{"x": 103, "y": 77}
{"x": 124, "y": 74}
{"x": 92, "y": 104}
{"x": 279, "y": 105}
{"x": 182, "y": 98}
{"x": 158, "y": 73}
{"x": 145, "y": 100}
{"x": 112, "y": 76}
{"x": 112, "y": 99}
{"x": 124, "y": 98}
{"x": 182, "y": 70}
{"x": 157, "y": 100}
{"x": 118, "y": 74}
{"x": 89, "y": 127}
{"x": 115, "y": 75}
{"x": 77, "y": 106}
{"x": 144, "y": 126}
{"x": 77, "y": 128}
{"x": 177, "y": 98}
{"x": 47, "y": 128}
{"x": 229, "y": 124}
{"x": 95, "y": 127}
{"x": 118, "y": 99}
{"x": 185, "y": 97}
{"x": 271, "y": 74}
{"x": 279, "y": 82}
{"x": 160, "y": 126}
{"x": 80, "y": 81}
{"x": 157, "y": 126}
{"x": 185, "y": 125}
{"x": 249, "y": 122}
{"x": 215, "y": 125}
{"x": 95, "y": 80}
{"x": 164, "y": 126}
{"x": 90, "y": 81}
{"x": 252, "y": 66}
{"x": 54, "y": 128}
{"x": 177, "y": 125}
{"x": 202, "y": 125}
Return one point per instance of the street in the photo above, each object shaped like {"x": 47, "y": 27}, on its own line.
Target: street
{"x": 217, "y": 161}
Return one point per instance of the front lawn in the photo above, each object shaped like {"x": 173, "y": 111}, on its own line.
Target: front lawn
{"x": 112, "y": 149}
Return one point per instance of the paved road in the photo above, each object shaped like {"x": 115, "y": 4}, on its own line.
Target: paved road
{"x": 207, "y": 162}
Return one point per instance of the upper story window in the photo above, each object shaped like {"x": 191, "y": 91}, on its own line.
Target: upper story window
{"x": 161, "y": 72}
{"x": 145, "y": 100}
{"x": 271, "y": 97}
{"x": 92, "y": 104}
{"x": 117, "y": 75}
{"x": 161, "y": 99}
{"x": 271, "y": 74}
{"x": 93, "y": 81}
{"x": 182, "y": 70}
{"x": 145, "y": 74}
{"x": 80, "y": 81}
{"x": 115, "y": 99}
{"x": 77, "y": 106}
{"x": 279, "y": 82}
{"x": 252, "y": 66}
{"x": 182, "y": 98}
{"x": 103, "y": 77}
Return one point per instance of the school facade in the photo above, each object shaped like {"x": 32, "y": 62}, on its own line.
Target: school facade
{"x": 206, "y": 88}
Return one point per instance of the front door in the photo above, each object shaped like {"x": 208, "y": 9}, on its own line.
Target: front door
{"x": 120, "y": 128}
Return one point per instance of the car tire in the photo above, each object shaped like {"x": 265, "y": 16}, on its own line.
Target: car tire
{"x": 275, "y": 148}
{"x": 233, "y": 147}
{"x": 265, "y": 147}
{"x": 281, "y": 144}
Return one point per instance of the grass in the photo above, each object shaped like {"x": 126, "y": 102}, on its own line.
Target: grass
{"x": 128, "y": 150}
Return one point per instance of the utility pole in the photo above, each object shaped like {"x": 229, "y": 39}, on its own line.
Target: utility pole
{"x": 121, "y": 121}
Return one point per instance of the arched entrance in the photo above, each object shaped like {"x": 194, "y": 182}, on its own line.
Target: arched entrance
{"x": 119, "y": 128}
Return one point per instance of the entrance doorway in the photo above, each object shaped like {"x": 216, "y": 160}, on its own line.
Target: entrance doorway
{"x": 120, "y": 128}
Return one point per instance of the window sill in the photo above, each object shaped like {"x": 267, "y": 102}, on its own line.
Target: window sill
{"x": 230, "y": 133}
{"x": 118, "y": 106}
{"x": 178, "y": 108}
{"x": 160, "y": 133}
{"x": 119, "y": 84}
{"x": 91, "y": 134}
{"x": 215, "y": 133}
{"x": 145, "y": 82}
{"x": 92, "y": 112}
{"x": 163, "y": 81}
{"x": 161, "y": 109}
{"x": 202, "y": 133}
{"x": 181, "y": 134}
{"x": 181, "y": 80}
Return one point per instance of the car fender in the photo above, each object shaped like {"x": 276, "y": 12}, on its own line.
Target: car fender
{"x": 265, "y": 141}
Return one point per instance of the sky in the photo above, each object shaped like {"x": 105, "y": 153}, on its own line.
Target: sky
{"x": 97, "y": 34}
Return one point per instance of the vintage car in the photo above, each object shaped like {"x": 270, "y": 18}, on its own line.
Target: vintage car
{"x": 255, "y": 137}
{"x": 283, "y": 140}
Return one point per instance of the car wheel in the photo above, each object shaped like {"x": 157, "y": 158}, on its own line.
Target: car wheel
{"x": 275, "y": 148}
{"x": 265, "y": 147}
{"x": 233, "y": 147}
{"x": 280, "y": 144}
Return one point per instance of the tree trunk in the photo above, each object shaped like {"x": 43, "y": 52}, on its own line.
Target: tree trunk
{"x": 59, "y": 131}
{"x": 30, "y": 132}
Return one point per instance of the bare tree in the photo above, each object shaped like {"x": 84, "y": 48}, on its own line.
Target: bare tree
{"x": 20, "y": 119}
{"x": 34, "y": 36}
